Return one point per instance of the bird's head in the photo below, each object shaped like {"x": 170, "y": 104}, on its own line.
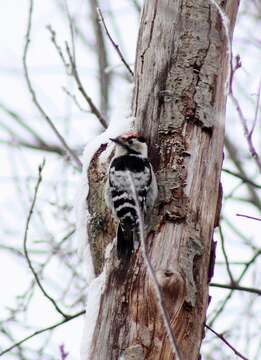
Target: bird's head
{"x": 131, "y": 143}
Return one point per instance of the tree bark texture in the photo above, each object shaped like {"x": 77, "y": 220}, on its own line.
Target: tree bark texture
{"x": 179, "y": 104}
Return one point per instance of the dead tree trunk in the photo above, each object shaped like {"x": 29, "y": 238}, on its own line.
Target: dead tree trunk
{"x": 179, "y": 105}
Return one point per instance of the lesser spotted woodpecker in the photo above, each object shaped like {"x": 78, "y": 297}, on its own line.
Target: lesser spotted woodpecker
{"x": 130, "y": 161}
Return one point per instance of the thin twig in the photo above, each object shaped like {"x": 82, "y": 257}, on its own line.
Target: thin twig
{"x": 20, "y": 350}
{"x": 102, "y": 58}
{"x": 58, "y": 47}
{"x": 91, "y": 104}
{"x": 39, "y": 180}
{"x": 234, "y": 69}
{"x": 230, "y": 76}
{"x": 74, "y": 73}
{"x": 247, "y": 265}
{"x": 242, "y": 118}
{"x": 249, "y": 217}
{"x": 256, "y": 111}
{"x": 235, "y": 230}
{"x": 242, "y": 177}
{"x": 116, "y": 47}
{"x": 33, "y": 94}
{"x": 225, "y": 256}
{"x": 80, "y": 34}
{"x": 152, "y": 275}
{"x": 233, "y": 153}
{"x": 63, "y": 321}
{"x": 221, "y": 337}
{"x": 45, "y": 147}
{"x": 16, "y": 140}
{"x": 136, "y": 5}
{"x": 251, "y": 146}
{"x": 74, "y": 99}
{"x": 70, "y": 20}
{"x": 64, "y": 354}
{"x": 237, "y": 287}
{"x": 236, "y": 263}
{"x": 23, "y": 123}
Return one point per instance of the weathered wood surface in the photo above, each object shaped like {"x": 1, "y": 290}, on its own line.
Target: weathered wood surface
{"x": 179, "y": 104}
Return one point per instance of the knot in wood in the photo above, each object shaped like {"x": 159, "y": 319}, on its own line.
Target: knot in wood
{"x": 171, "y": 283}
{"x": 134, "y": 352}
{"x": 173, "y": 288}
{"x": 166, "y": 95}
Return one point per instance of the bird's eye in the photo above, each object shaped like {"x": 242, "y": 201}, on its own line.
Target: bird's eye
{"x": 141, "y": 139}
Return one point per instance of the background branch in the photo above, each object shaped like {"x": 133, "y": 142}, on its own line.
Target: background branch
{"x": 225, "y": 255}
{"x": 116, "y": 47}
{"x": 102, "y": 57}
{"x": 91, "y": 104}
{"x": 221, "y": 337}
{"x": 34, "y": 98}
{"x": 249, "y": 217}
{"x": 237, "y": 287}
{"x": 234, "y": 156}
{"x": 25, "y": 244}
{"x": 38, "y": 332}
{"x": 241, "y": 177}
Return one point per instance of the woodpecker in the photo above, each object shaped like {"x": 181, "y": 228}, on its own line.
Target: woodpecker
{"x": 130, "y": 163}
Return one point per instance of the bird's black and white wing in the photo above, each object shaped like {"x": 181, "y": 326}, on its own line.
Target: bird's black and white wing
{"x": 130, "y": 178}
{"x": 119, "y": 195}
{"x": 152, "y": 193}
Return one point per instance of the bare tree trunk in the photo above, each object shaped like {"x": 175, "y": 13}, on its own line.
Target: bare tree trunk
{"x": 179, "y": 104}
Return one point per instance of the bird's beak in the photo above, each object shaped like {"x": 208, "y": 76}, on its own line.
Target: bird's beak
{"x": 117, "y": 141}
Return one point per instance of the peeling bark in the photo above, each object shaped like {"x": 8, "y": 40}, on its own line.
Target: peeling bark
{"x": 179, "y": 105}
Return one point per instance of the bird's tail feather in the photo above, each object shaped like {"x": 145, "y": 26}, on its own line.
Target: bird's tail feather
{"x": 125, "y": 244}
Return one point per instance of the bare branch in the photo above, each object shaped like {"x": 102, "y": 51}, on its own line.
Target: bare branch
{"x": 23, "y": 123}
{"x": 152, "y": 275}
{"x": 221, "y": 337}
{"x": 225, "y": 256}
{"x": 230, "y": 76}
{"x": 248, "y": 134}
{"x": 256, "y": 111}
{"x": 102, "y": 58}
{"x": 136, "y": 5}
{"x": 247, "y": 265}
{"x": 57, "y": 47}
{"x": 234, "y": 69}
{"x": 33, "y": 94}
{"x": 38, "y": 332}
{"x": 116, "y": 47}
{"x": 25, "y": 243}
{"x": 75, "y": 74}
{"x": 237, "y": 287}
{"x": 78, "y": 31}
{"x": 251, "y": 147}
{"x": 74, "y": 99}
{"x": 70, "y": 20}
{"x": 233, "y": 153}
{"x": 46, "y": 147}
{"x": 17, "y": 140}
{"x": 242, "y": 177}
{"x": 11, "y": 338}
{"x": 249, "y": 217}
{"x": 64, "y": 354}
